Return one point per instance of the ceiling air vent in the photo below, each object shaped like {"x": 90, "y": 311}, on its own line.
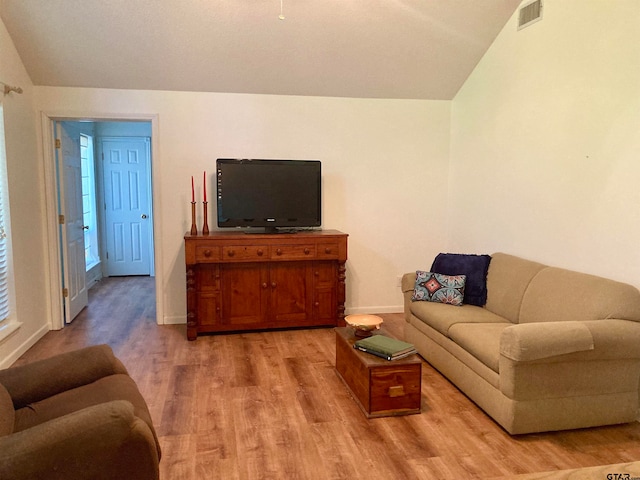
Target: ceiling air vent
{"x": 529, "y": 14}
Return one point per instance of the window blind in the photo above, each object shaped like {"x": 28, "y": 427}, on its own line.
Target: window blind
{"x": 5, "y": 307}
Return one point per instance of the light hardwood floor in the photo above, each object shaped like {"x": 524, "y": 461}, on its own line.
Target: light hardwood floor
{"x": 269, "y": 405}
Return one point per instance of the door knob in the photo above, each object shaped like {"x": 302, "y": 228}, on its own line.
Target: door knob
{"x": 85, "y": 227}
{"x": 143, "y": 216}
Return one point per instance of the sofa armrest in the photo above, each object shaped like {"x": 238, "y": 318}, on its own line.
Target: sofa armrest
{"x": 99, "y": 442}
{"x": 408, "y": 282}
{"x": 590, "y": 339}
{"x": 44, "y": 378}
{"x": 407, "y": 285}
{"x": 571, "y": 360}
{"x": 535, "y": 341}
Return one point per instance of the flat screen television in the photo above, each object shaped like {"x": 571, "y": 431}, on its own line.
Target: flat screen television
{"x": 270, "y": 194}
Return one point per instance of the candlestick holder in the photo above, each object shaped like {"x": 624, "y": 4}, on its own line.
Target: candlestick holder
{"x": 205, "y": 226}
{"x": 194, "y": 228}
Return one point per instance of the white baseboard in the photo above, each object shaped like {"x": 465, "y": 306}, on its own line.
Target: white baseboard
{"x": 175, "y": 320}
{"x": 374, "y": 310}
{"x": 26, "y": 345}
{"x": 182, "y": 319}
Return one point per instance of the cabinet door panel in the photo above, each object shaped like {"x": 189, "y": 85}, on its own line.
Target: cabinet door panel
{"x": 208, "y": 308}
{"x": 245, "y": 289}
{"x": 207, "y": 277}
{"x": 290, "y": 285}
{"x": 325, "y": 305}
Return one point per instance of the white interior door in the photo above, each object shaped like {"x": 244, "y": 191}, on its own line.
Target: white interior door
{"x": 72, "y": 222}
{"x": 127, "y": 187}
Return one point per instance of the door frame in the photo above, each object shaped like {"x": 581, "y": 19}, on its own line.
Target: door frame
{"x": 52, "y": 253}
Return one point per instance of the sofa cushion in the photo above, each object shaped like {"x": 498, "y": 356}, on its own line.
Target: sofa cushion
{"x": 507, "y": 281}
{"x": 7, "y": 412}
{"x": 436, "y": 287}
{"x": 432, "y": 344}
{"x": 441, "y": 317}
{"x": 480, "y": 340}
{"x": 473, "y": 267}
{"x": 556, "y": 294}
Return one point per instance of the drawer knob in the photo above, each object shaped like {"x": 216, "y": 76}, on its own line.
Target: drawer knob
{"x": 316, "y": 273}
{"x": 273, "y": 285}
{"x": 260, "y": 252}
{"x": 207, "y": 253}
{"x": 307, "y": 251}
{"x": 278, "y": 252}
{"x": 317, "y": 304}
{"x": 231, "y": 253}
{"x": 327, "y": 250}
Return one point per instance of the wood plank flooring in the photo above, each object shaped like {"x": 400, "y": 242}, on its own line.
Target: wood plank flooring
{"x": 269, "y": 405}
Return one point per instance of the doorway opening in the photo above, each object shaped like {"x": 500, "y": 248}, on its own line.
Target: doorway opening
{"x": 107, "y": 196}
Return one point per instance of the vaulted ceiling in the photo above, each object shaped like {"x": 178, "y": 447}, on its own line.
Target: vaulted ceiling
{"x": 418, "y": 49}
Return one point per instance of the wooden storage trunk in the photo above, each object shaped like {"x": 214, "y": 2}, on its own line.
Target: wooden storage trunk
{"x": 381, "y": 387}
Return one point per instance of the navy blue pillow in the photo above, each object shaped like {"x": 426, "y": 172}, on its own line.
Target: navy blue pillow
{"x": 475, "y": 267}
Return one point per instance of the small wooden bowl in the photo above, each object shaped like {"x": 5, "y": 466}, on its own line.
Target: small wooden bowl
{"x": 363, "y": 325}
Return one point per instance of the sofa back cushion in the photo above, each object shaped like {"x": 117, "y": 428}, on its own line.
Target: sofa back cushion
{"x": 7, "y": 412}
{"x": 556, "y": 294}
{"x": 507, "y": 280}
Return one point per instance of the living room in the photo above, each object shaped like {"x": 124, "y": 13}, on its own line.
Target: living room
{"x": 534, "y": 156}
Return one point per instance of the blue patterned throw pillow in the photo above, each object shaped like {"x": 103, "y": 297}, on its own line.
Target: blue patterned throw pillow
{"x": 436, "y": 287}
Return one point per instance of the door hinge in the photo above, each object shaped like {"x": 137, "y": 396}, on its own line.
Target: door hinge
{"x": 61, "y": 219}
{"x": 65, "y": 292}
{"x": 58, "y": 143}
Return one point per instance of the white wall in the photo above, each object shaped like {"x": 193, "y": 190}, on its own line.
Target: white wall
{"x": 26, "y": 206}
{"x": 384, "y": 171}
{"x": 545, "y": 142}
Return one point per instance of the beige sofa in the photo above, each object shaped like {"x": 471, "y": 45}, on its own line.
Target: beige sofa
{"x": 552, "y": 349}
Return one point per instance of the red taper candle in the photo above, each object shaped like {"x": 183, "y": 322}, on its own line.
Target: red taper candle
{"x": 204, "y": 182}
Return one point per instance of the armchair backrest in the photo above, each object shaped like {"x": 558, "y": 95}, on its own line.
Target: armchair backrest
{"x": 7, "y": 412}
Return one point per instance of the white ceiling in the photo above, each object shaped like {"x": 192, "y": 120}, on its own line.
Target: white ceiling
{"x": 419, "y": 49}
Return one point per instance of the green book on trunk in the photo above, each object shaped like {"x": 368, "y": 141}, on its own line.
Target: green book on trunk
{"x": 385, "y": 345}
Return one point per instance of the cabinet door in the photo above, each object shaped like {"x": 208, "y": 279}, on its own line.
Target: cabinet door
{"x": 208, "y": 295}
{"x": 325, "y": 304}
{"x": 245, "y": 288}
{"x": 290, "y": 301}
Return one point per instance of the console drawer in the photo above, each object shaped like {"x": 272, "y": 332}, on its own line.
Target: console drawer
{"x": 328, "y": 251}
{"x": 207, "y": 253}
{"x": 236, "y": 253}
{"x": 293, "y": 252}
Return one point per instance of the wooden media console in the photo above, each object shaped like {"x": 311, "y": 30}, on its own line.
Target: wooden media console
{"x": 239, "y": 281}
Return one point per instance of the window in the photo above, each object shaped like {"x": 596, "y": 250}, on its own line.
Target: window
{"x": 7, "y": 302}
{"x": 91, "y": 255}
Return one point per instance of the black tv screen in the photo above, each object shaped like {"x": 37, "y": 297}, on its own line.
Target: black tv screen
{"x": 273, "y": 194}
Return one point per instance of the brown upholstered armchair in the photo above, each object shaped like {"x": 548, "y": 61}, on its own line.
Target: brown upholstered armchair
{"x": 78, "y": 415}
